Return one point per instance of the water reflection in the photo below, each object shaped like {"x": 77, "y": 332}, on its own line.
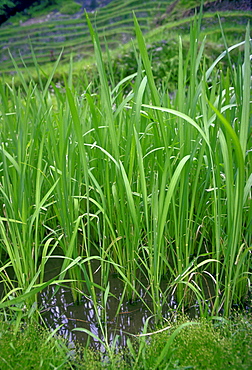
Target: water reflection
{"x": 59, "y": 311}
{"x": 122, "y": 318}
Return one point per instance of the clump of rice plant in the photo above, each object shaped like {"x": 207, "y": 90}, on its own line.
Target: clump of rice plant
{"x": 154, "y": 186}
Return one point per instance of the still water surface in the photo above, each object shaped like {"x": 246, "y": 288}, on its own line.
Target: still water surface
{"x": 122, "y": 318}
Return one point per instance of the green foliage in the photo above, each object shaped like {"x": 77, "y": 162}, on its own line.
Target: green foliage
{"x": 70, "y": 7}
{"x": 115, "y": 24}
{"x": 6, "y": 4}
{"x": 151, "y": 185}
{"x": 164, "y": 59}
{"x": 40, "y": 8}
{"x": 30, "y": 7}
{"x": 208, "y": 347}
{"x": 32, "y": 348}
{"x": 203, "y": 345}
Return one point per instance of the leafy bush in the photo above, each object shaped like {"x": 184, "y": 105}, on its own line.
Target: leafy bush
{"x": 164, "y": 56}
{"x": 70, "y": 7}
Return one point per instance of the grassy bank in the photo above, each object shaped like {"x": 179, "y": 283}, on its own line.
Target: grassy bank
{"x": 186, "y": 345}
{"x": 153, "y": 185}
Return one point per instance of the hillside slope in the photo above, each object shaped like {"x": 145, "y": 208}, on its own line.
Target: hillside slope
{"x": 50, "y": 34}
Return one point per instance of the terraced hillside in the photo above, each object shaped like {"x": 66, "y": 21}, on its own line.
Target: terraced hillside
{"x": 49, "y": 35}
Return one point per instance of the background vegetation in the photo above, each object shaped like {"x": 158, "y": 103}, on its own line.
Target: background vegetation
{"x": 52, "y": 32}
{"x": 10, "y": 8}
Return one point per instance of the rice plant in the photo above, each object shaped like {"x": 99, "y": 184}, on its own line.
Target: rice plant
{"x": 154, "y": 186}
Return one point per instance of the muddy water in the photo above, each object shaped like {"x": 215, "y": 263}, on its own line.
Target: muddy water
{"x": 122, "y": 318}
{"x": 61, "y": 311}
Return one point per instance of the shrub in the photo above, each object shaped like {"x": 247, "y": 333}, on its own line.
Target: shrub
{"x": 70, "y": 8}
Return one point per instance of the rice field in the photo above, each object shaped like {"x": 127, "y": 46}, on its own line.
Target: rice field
{"x": 153, "y": 185}
{"x": 46, "y": 37}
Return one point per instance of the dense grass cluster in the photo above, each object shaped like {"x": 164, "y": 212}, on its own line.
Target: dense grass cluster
{"x": 197, "y": 345}
{"x": 153, "y": 184}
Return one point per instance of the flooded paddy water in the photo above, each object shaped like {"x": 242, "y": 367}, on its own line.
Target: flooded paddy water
{"x": 120, "y": 319}
{"x": 123, "y": 318}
